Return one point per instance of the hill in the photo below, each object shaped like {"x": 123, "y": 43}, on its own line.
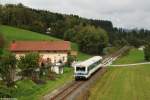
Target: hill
{"x": 40, "y": 20}
{"x": 12, "y": 33}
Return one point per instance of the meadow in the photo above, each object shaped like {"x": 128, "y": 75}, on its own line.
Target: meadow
{"x": 134, "y": 56}
{"x": 124, "y": 83}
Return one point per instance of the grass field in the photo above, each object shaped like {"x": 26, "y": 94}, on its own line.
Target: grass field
{"x": 124, "y": 83}
{"x": 134, "y": 56}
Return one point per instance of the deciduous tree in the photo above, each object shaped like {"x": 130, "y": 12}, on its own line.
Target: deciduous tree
{"x": 28, "y": 64}
{"x": 8, "y": 68}
{"x": 92, "y": 40}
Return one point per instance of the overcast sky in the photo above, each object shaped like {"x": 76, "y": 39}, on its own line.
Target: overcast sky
{"x": 123, "y": 13}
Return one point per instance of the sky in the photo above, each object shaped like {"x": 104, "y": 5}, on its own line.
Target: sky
{"x": 123, "y": 13}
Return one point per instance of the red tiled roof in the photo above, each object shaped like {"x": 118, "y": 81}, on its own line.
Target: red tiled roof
{"x": 40, "y": 46}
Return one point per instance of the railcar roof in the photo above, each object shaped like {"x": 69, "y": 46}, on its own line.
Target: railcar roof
{"x": 90, "y": 61}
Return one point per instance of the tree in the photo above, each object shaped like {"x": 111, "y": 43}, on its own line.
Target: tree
{"x": 147, "y": 52}
{"x": 69, "y": 35}
{"x": 92, "y": 40}
{"x": 120, "y": 43}
{"x": 1, "y": 44}
{"x": 8, "y": 68}
{"x": 70, "y": 60}
{"x": 29, "y": 64}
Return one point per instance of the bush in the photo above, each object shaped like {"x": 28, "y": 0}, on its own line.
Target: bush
{"x": 1, "y": 44}
{"x": 8, "y": 69}
{"x": 147, "y": 52}
{"x": 70, "y": 60}
{"x": 5, "y": 92}
{"x": 1, "y": 41}
{"x": 109, "y": 50}
{"x": 28, "y": 64}
{"x": 1, "y": 51}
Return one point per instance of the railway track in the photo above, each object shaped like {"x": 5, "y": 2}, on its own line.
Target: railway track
{"x": 67, "y": 91}
{"x": 63, "y": 94}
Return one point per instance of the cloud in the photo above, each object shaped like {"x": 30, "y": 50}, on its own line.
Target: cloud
{"x": 123, "y": 13}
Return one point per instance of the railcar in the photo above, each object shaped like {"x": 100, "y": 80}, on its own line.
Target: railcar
{"x": 86, "y": 68}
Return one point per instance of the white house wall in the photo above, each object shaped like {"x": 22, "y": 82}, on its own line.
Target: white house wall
{"x": 53, "y": 56}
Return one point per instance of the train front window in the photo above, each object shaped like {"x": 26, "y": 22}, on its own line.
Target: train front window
{"x": 80, "y": 69}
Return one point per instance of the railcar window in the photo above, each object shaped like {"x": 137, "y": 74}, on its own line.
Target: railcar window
{"x": 80, "y": 69}
{"x": 93, "y": 65}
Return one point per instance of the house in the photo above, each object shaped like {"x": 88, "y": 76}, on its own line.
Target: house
{"x": 141, "y": 48}
{"x": 55, "y": 51}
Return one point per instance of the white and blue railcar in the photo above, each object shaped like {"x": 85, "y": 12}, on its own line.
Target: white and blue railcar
{"x": 86, "y": 68}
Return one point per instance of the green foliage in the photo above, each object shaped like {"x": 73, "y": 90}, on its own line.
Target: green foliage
{"x": 70, "y": 60}
{"x": 2, "y": 43}
{"x": 5, "y": 92}
{"x": 69, "y": 35}
{"x": 8, "y": 68}
{"x": 110, "y": 50}
{"x": 92, "y": 40}
{"x": 147, "y": 52}
{"x": 28, "y": 64}
{"x": 120, "y": 43}
{"x": 1, "y": 51}
{"x": 134, "y": 37}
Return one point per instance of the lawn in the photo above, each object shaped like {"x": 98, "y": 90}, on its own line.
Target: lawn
{"x": 124, "y": 83}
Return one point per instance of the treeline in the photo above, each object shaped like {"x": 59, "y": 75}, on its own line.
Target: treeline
{"x": 134, "y": 37}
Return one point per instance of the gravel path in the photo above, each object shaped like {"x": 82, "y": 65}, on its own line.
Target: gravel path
{"x": 126, "y": 65}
